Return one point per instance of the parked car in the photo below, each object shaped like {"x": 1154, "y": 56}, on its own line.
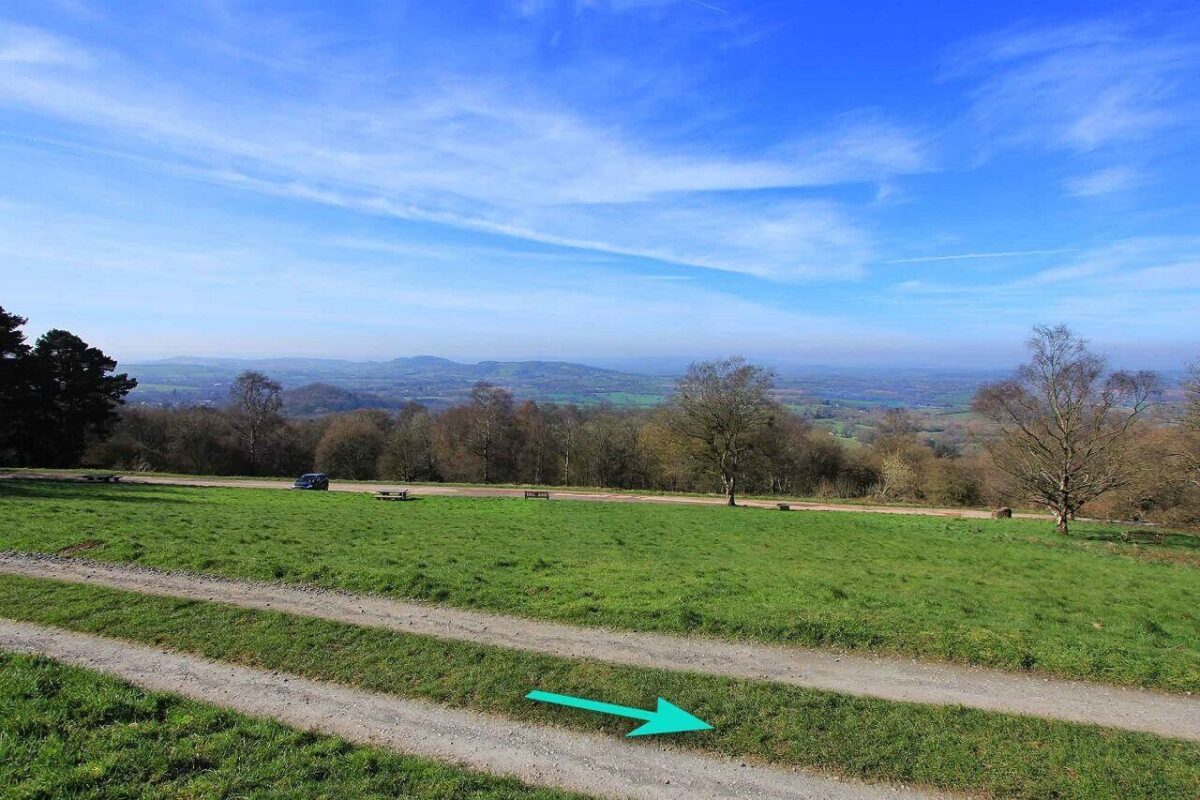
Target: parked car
{"x": 312, "y": 480}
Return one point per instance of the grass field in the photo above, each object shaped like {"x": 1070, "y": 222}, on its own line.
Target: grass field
{"x": 68, "y": 732}
{"x": 952, "y": 748}
{"x": 1006, "y": 593}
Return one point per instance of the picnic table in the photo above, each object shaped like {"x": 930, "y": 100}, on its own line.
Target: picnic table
{"x": 397, "y": 494}
{"x": 536, "y": 494}
{"x": 102, "y": 478}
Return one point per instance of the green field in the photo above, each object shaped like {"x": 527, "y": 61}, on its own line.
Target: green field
{"x": 1006, "y": 593}
{"x": 68, "y": 732}
{"x": 952, "y": 748}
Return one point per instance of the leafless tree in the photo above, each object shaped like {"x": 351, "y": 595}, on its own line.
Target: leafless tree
{"x": 536, "y": 445}
{"x": 256, "y": 403}
{"x": 566, "y": 430}
{"x": 351, "y": 448}
{"x": 408, "y": 453}
{"x": 1190, "y": 423}
{"x": 608, "y": 450}
{"x": 491, "y": 426}
{"x": 1061, "y": 427}
{"x": 720, "y": 406}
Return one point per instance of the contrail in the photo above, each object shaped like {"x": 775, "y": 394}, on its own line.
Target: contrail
{"x": 710, "y": 7}
{"x": 961, "y": 256}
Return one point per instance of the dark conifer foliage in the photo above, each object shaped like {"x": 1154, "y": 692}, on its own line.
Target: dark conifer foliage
{"x": 56, "y": 398}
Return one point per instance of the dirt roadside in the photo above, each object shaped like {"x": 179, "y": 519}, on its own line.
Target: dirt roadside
{"x": 539, "y": 755}
{"x": 888, "y": 678}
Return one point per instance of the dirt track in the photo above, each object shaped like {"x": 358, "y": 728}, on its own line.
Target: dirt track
{"x": 442, "y": 490}
{"x": 587, "y": 763}
{"x": 889, "y": 678}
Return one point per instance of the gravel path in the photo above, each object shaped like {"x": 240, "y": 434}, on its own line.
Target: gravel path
{"x": 441, "y": 490}
{"x": 595, "y": 765}
{"x": 889, "y": 678}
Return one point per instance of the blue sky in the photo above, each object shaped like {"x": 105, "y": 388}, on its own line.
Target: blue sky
{"x": 833, "y": 183}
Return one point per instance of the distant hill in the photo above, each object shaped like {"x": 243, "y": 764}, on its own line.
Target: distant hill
{"x": 317, "y": 399}
{"x": 318, "y": 386}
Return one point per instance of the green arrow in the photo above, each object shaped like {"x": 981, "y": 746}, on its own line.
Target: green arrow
{"x": 667, "y": 718}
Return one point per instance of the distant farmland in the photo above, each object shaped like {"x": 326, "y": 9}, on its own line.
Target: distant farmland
{"x": 317, "y": 386}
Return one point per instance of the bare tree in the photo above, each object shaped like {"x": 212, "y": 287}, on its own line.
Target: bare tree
{"x": 720, "y": 406}
{"x": 1062, "y": 425}
{"x": 351, "y": 447}
{"x": 535, "y": 446}
{"x": 1190, "y": 423}
{"x": 491, "y": 426}
{"x": 608, "y": 450}
{"x": 408, "y": 453}
{"x": 566, "y": 430}
{"x": 256, "y": 403}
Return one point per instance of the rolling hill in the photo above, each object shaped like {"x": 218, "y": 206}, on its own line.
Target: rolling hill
{"x": 315, "y": 386}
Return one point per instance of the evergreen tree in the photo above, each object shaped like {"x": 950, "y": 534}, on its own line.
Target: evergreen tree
{"x": 14, "y": 355}
{"x": 72, "y": 399}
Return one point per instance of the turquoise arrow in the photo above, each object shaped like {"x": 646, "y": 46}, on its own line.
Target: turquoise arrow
{"x": 667, "y": 718}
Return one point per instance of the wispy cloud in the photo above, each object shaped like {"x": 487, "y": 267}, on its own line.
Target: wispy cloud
{"x": 709, "y": 6}
{"x": 1134, "y": 271}
{"x": 972, "y": 256}
{"x": 1105, "y": 181}
{"x": 482, "y": 155}
{"x": 1144, "y": 290}
{"x": 1077, "y": 87}
{"x": 20, "y": 44}
{"x": 205, "y": 285}
{"x": 622, "y": 162}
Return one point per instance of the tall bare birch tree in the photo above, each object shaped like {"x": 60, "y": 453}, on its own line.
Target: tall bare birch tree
{"x": 256, "y": 401}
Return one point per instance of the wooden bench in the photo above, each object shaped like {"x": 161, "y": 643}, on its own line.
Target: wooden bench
{"x": 784, "y": 506}
{"x": 536, "y": 494}
{"x": 102, "y": 478}
{"x": 1144, "y": 537}
{"x": 399, "y": 494}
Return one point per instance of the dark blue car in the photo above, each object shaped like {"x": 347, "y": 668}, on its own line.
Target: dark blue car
{"x": 312, "y": 480}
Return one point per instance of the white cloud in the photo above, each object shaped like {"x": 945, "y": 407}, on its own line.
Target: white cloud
{"x": 1104, "y": 181}
{"x": 20, "y": 44}
{"x": 203, "y": 287}
{"x": 1123, "y": 277}
{"x": 486, "y": 156}
{"x": 1079, "y": 87}
{"x": 1142, "y": 290}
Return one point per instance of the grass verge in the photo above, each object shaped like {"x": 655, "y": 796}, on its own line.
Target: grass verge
{"x": 69, "y": 732}
{"x": 947, "y": 747}
{"x": 58, "y": 474}
{"x": 1005, "y": 593}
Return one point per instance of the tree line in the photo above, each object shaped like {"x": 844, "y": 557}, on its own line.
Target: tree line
{"x": 491, "y": 438}
{"x": 1064, "y": 433}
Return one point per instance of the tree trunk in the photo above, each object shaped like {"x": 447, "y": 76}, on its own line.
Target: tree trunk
{"x": 1063, "y": 509}
{"x": 730, "y": 486}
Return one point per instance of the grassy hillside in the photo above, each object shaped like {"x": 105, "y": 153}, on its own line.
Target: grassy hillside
{"x": 980, "y": 753}
{"x": 68, "y": 732}
{"x": 1004, "y": 593}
